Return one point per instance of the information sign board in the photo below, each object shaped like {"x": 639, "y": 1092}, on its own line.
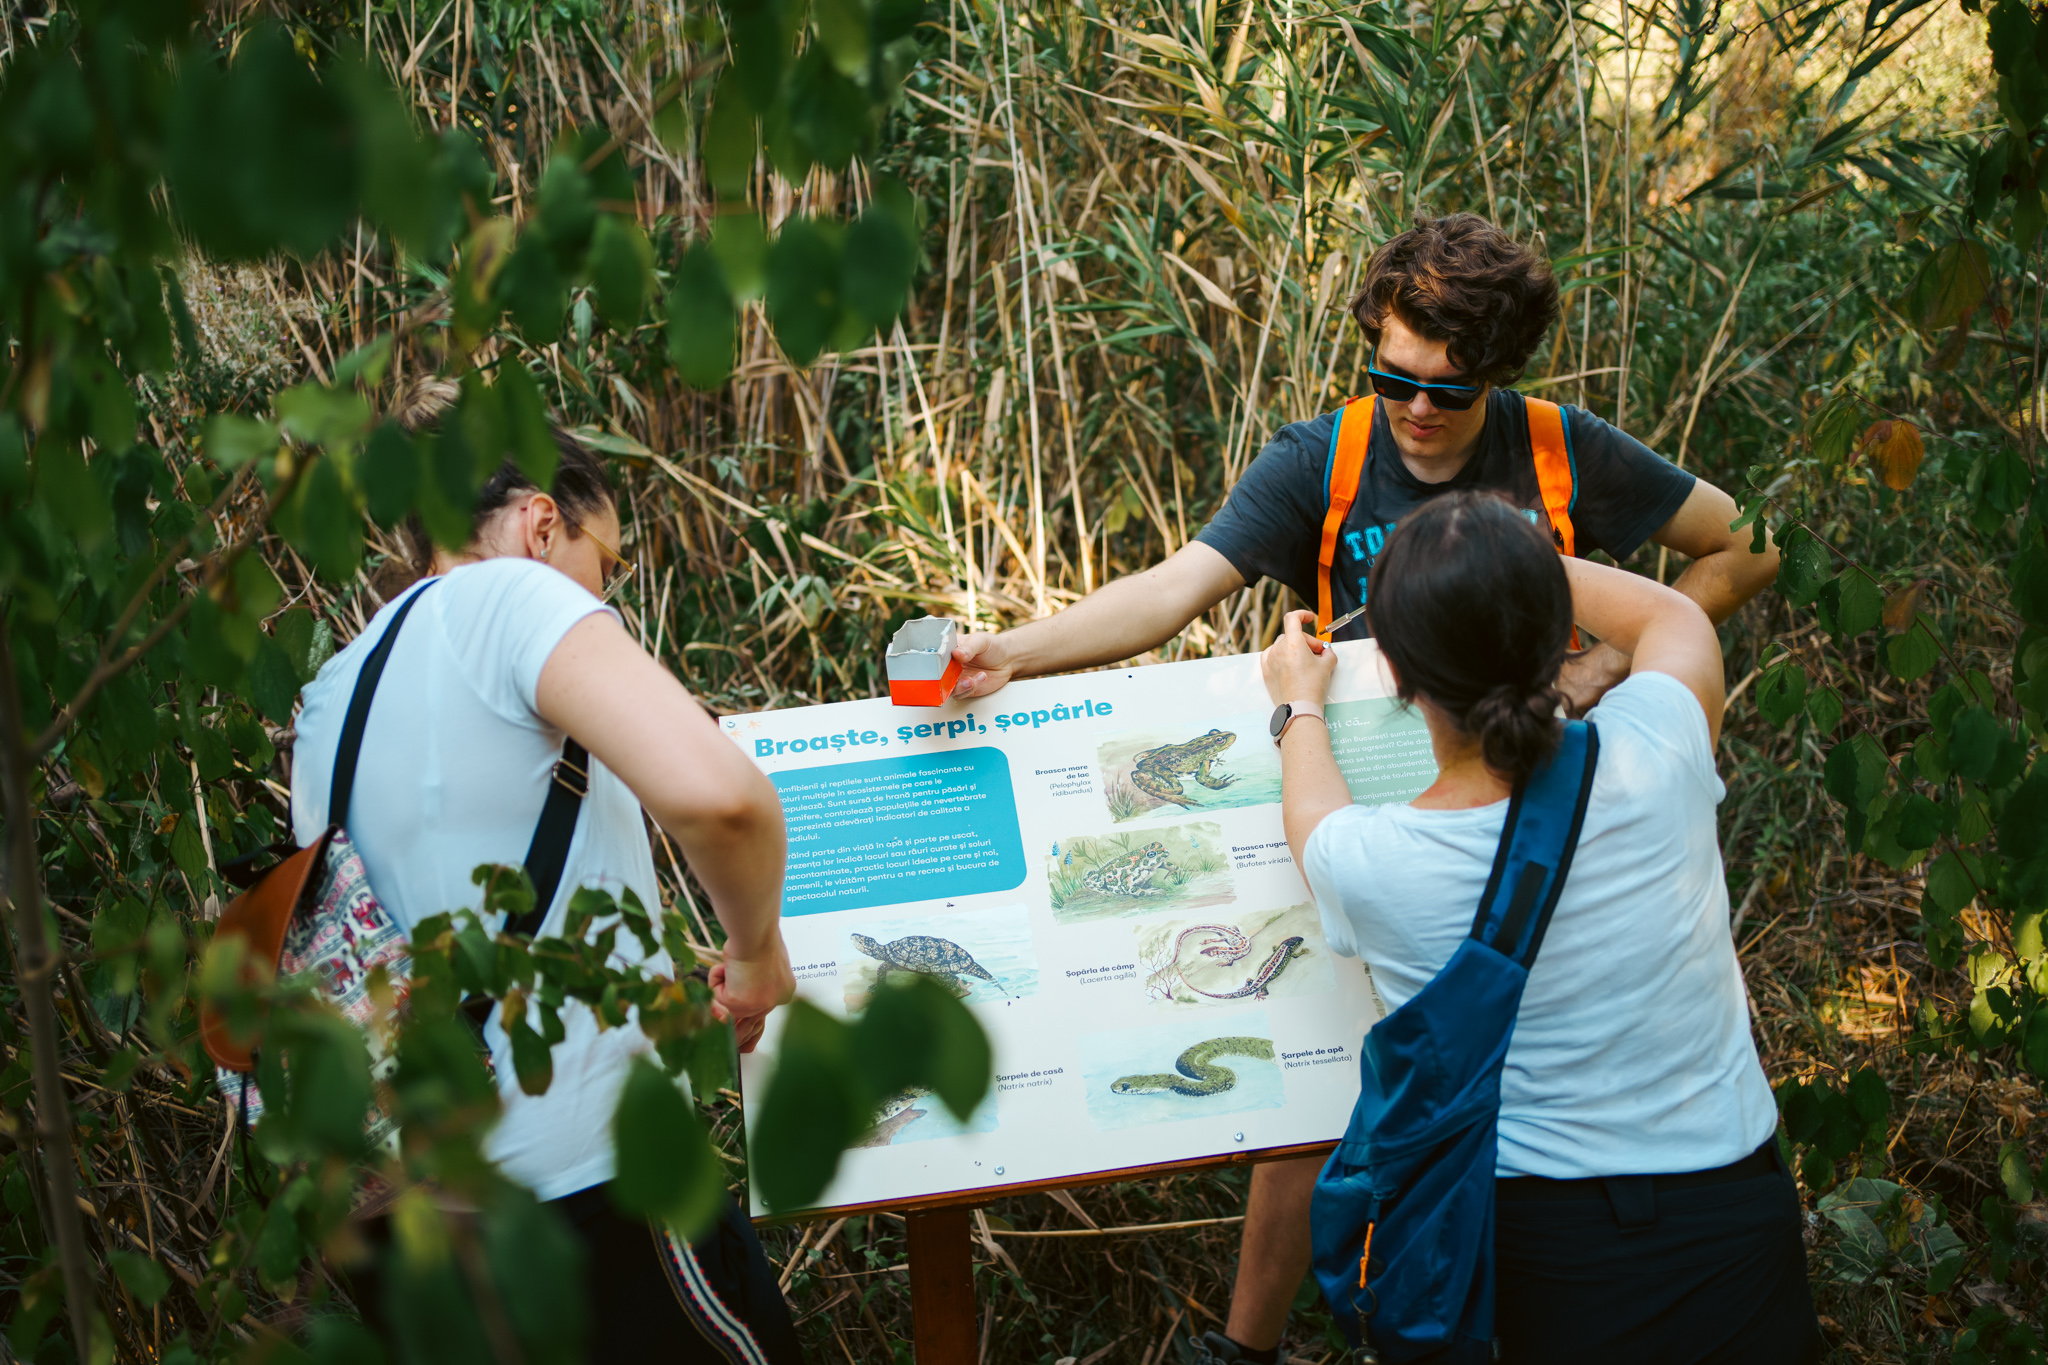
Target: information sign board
{"x": 1095, "y": 863}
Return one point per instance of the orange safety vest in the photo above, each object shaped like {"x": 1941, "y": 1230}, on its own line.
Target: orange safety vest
{"x": 1549, "y": 444}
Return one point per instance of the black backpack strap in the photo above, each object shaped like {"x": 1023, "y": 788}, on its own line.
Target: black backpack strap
{"x": 345, "y": 755}
{"x": 1537, "y": 842}
{"x": 548, "y": 854}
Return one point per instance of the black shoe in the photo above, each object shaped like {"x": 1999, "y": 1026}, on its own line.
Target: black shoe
{"x": 1216, "y": 1349}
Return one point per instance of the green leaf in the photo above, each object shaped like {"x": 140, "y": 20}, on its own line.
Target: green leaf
{"x": 740, "y": 243}
{"x": 2035, "y": 1049}
{"x": 319, "y": 415}
{"x": 232, "y": 442}
{"x": 1912, "y": 654}
{"x": 531, "y": 1056}
{"x": 621, "y": 264}
{"x": 2029, "y": 577}
{"x": 729, "y": 143}
{"x": 803, "y": 288}
{"x": 1953, "y": 881}
{"x": 1833, "y": 430}
{"x": 1824, "y": 709}
{"x": 526, "y": 415}
{"x": 876, "y": 267}
{"x": 320, "y": 520}
{"x": 145, "y": 1279}
{"x": 1854, "y": 774}
{"x": 13, "y": 456}
{"x": 532, "y": 288}
{"x": 2023, "y": 841}
{"x": 918, "y": 1033}
{"x": 2014, "y": 1172}
{"x": 816, "y": 1106}
{"x": 389, "y": 472}
{"x": 1781, "y": 691}
{"x": 565, "y": 208}
{"x": 842, "y": 27}
{"x": 1950, "y": 286}
{"x": 1973, "y": 739}
{"x": 1859, "y": 606}
{"x": 188, "y": 850}
{"x": 1869, "y": 1095}
{"x": 75, "y": 498}
{"x": 1803, "y": 566}
{"x": 273, "y": 681}
{"x": 1918, "y": 824}
{"x": 665, "y": 1166}
{"x": 702, "y": 326}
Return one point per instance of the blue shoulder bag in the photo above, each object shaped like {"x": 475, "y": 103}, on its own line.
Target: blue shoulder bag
{"x": 1403, "y": 1213}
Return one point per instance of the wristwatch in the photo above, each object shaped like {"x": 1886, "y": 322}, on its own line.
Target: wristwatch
{"x": 1287, "y": 712}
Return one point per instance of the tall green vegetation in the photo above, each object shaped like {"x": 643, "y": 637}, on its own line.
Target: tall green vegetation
{"x": 151, "y": 655}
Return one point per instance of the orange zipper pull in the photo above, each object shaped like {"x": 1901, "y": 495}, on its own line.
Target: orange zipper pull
{"x": 1365, "y": 1255}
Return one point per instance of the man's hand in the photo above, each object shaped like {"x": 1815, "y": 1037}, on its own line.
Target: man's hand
{"x": 985, "y": 664}
{"x": 744, "y": 990}
{"x": 1298, "y": 666}
{"x": 1587, "y": 675}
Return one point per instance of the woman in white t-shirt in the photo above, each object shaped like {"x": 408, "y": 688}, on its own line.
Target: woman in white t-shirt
{"x": 1644, "y": 1211}
{"x": 509, "y": 649}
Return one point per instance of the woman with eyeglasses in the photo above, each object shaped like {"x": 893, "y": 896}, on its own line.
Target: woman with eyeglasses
{"x": 506, "y": 652}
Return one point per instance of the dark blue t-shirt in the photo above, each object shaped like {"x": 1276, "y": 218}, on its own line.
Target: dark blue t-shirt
{"x": 1272, "y": 524}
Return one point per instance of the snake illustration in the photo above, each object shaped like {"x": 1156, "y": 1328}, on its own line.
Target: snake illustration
{"x": 1233, "y": 946}
{"x": 1199, "y": 1075}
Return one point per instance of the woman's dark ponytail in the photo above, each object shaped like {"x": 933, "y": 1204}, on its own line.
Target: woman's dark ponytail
{"x": 1472, "y": 607}
{"x": 1516, "y": 730}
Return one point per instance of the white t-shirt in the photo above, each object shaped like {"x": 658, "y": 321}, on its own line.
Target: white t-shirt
{"x": 1632, "y": 1053}
{"x": 454, "y": 767}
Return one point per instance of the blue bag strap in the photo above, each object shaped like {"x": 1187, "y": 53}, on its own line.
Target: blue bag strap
{"x": 1537, "y": 842}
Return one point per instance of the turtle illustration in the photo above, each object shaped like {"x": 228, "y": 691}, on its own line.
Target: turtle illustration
{"x": 928, "y": 956}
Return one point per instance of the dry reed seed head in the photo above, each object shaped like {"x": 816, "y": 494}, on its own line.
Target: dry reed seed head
{"x": 1461, "y": 280}
{"x": 1471, "y": 606}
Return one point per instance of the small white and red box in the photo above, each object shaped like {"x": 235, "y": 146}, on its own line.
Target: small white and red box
{"x": 920, "y": 662}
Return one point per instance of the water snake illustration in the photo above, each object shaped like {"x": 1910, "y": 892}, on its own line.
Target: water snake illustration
{"x": 1198, "y": 1073}
{"x": 1232, "y": 946}
{"x": 940, "y": 957}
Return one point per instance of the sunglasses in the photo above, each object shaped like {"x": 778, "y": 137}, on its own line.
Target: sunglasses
{"x": 1401, "y": 389}
{"x": 621, "y": 568}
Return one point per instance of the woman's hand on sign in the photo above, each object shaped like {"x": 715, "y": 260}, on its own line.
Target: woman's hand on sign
{"x": 745, "y": 990}
{"x": 985, "y": 664}
{"x": 1298, "y": 666}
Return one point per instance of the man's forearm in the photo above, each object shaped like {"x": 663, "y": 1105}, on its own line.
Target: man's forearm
{"x": 1723, "y": 581}
{"x": 1116, "y": 621}
{"x": 1123, "y": 618}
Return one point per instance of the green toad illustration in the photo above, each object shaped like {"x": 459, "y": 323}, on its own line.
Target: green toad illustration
{"x": 1132, "y": 874}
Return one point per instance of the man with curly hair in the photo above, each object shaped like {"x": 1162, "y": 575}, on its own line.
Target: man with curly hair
{"x": 1454, "y": 309}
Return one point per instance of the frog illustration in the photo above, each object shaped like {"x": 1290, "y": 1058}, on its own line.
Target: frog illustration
{"x": 1158, "y": 772}
{"x": 1132, "y": 874}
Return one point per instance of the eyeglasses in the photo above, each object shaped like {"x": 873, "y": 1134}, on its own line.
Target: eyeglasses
{"x": 621, "y": 570}
{"x": 1396, "y": 388}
